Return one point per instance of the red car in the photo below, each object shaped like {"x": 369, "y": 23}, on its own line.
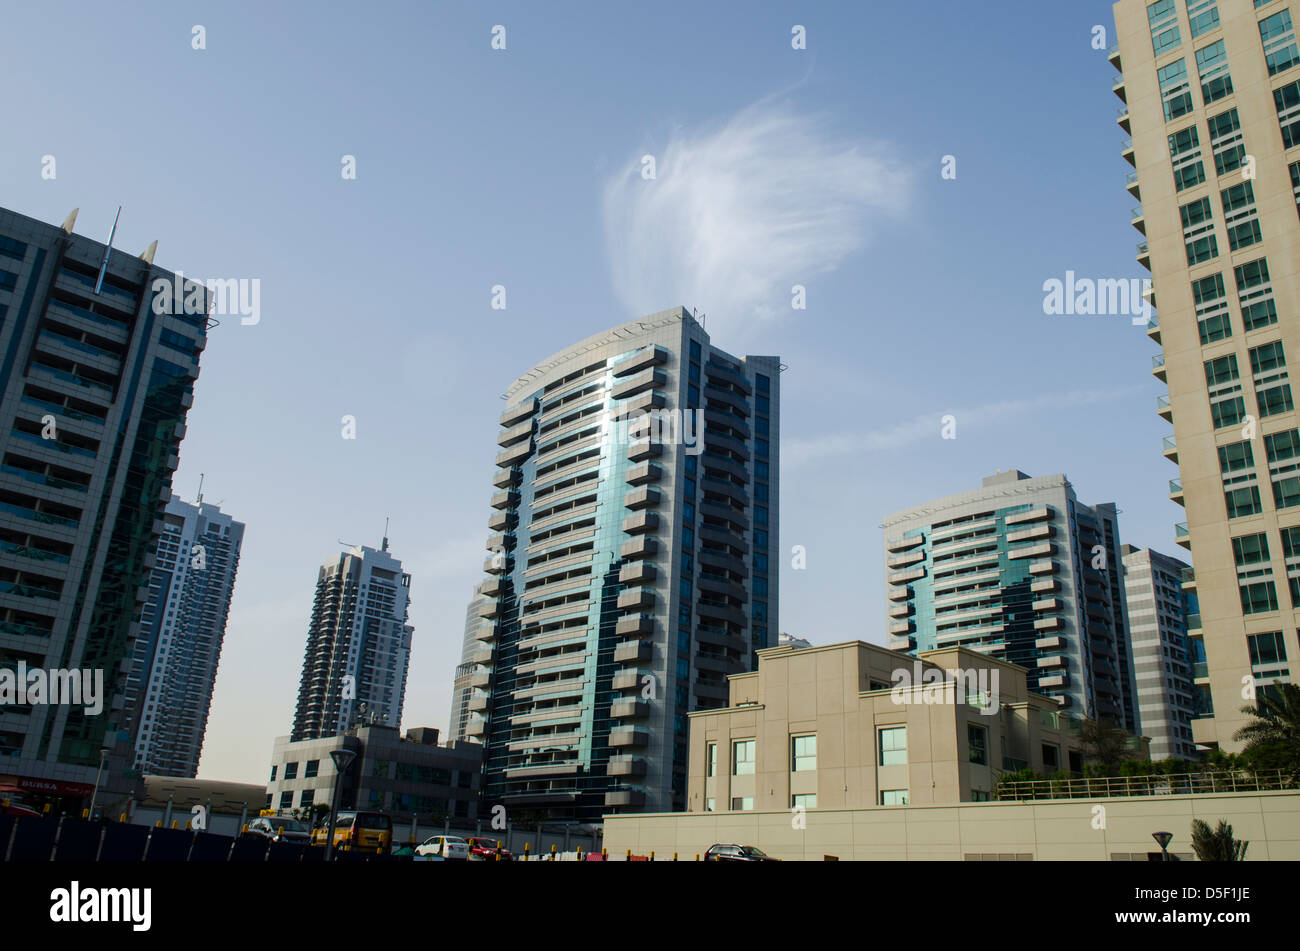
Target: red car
{"x": 17, "y": 809}
{"x": 485, "y": 850}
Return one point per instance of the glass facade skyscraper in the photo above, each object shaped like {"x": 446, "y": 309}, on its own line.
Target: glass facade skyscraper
{"x": 632, "y": 565}
{"x": 1020, "y": 570}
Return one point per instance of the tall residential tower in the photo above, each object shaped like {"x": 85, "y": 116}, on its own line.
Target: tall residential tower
{"x": 1021, "y": 570}
{"x": 1162, "y": 664}
{"x": 96, "y": 377}
{"x": 1211, "y": 93}
{"x": 633, "y": 565}
{"x": 182, "y": 628}
{"x": 358, "y": 645}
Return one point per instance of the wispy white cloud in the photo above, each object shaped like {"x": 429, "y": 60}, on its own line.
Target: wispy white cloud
{"x": 739, "y": 213}
{"x": 796, "y": 451}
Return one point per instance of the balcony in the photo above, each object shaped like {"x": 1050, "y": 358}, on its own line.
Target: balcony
{"x": 1112, "y": 56}
{"x": 637, "y": 573}
{"x": 646, "y": 472}
{"x": 516, "y": 434}
{"x": 507, "y": 478}
{"x": 477, "y": 727}
{"x": 649, "y": 357}
{"x": 1045, "y": 585}
{"x": 477, "y": 704}
{"x": 1144, "y": 255}
{"x": 903, "y": 544}
{"x": 1189, "y": 583}
{"x": 630, "y": 709}
{"x": 1158, "y": 367}
{"x": 489, "y": 610}
{"x": 1131, "y": 183}
{"x": 633, "y": 652}
{"x": 640, "y": 523}
{"x": 628, "y": 680}
{"x": 637, "y": 599}
{"x": 903, "y": 560}
{"x": 627, "y": 766}
{"x": 1138, "y": 219}
{"x": 650, "y": 379}
{"x": 642, "y": 498}
{"x": 1126, "y": 151}
{"x": 505, "y": 499}
{"x": 515, "y": 454}
{"x": 902, "y": 642}
{"x": 1047, "y": 623}
{"x": 642, "y": 449}
{"x": 631, "y": 736}
{"x": 899, "y": 594}
{"x": 1164, "y": 409}
{"x": 642, "y": 547}
{"x": 1153, "y": 328}
{"x": 480, "y": 678}
{"x": 640, "y": 625}
{"x": 519, "y": 411}
{"x": 500, "y": 521}
{"x": 1169, "y": 449}
{"x": 1176, "y": 491}
{"x": 625, "y": 797}
{"x": 1200, "y": 671}
{"x": 1182, "y": 536}
{"x": 1122, "y": 118}
{"x": 1052, "y": 642}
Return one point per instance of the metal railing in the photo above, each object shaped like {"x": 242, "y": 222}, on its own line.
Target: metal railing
{"x": 1178, "y": 784}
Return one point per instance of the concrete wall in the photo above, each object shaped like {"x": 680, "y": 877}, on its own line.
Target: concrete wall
{"x": 1047, "y": 830}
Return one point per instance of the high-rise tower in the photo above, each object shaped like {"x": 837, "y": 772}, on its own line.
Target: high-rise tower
{"x": 632, "y": 565}
{"x": 1023, "y": 571}
{"x": 182, "y": 628}
{"x": 1211, "y": 93}
{"x": 97, "y": 374}
{"x": 358, "y": 645}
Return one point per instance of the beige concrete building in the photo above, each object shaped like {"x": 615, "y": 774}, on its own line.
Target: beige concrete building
{"x": 855, "y": 725}
{"x": 1211, "y": 93}
{"x": 1054, "y": 830}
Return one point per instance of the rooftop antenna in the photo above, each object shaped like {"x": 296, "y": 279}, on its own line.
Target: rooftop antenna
{"x": 108, "y": 249}
{"x": 385, "y": 545}
{"x": 199, "y": 500}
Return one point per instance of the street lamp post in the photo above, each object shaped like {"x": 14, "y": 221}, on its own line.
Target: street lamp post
{"x": 1163, "y": 839}
{"x": 104, "y": 751}
{"x": 342, "y": 760}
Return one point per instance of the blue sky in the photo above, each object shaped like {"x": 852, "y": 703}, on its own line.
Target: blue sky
{"x": 520, "y": 167}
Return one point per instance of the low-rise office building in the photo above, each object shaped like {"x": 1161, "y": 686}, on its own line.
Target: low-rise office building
{"x": 855, "y": 725}
{"x": 402, "y": 776}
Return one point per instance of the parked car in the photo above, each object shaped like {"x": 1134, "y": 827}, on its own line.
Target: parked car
{"x": 444, "y": 847}
{"x": 485, "y": 850}
{"x": 18, "y": 809}
{"x": 280, "y": 829}
{"x": 736, "y": 853}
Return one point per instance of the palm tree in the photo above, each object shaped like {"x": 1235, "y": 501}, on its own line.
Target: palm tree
{"x": 1274, "y": 727}
{"x": 1216, "y": 845}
